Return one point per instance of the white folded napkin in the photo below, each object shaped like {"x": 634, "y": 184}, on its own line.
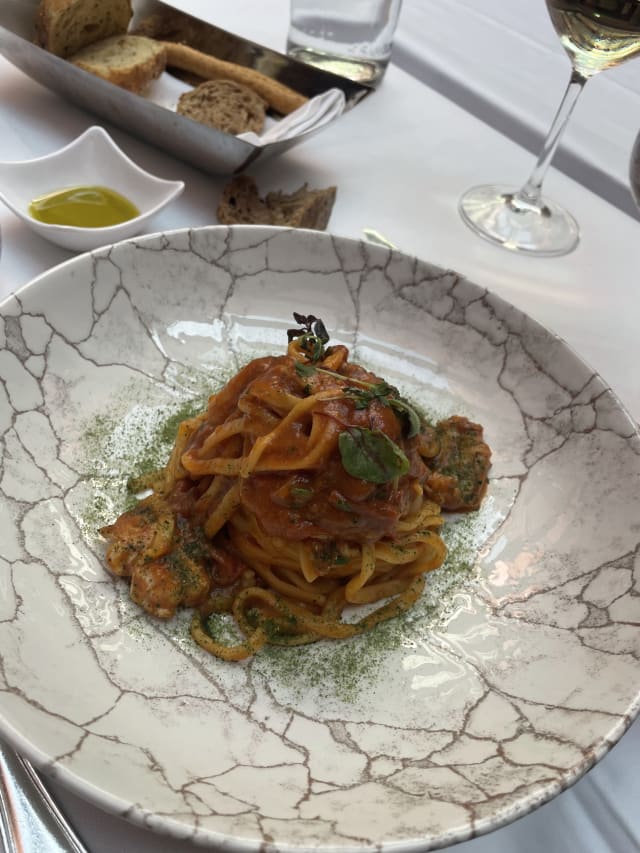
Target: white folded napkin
{"x": 315, "y": 113}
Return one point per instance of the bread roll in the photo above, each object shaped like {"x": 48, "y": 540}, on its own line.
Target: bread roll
{"x": 64, "y": 27}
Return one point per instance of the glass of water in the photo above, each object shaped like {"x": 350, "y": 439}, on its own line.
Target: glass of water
{"x": 352, "y": 39}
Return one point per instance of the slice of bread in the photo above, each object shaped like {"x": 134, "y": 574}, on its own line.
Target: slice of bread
{"x": 241, "y": 204}
{"x": 226, "y": 105}
{"x": 131, "y": 62}
{"x": 64, "y": 27}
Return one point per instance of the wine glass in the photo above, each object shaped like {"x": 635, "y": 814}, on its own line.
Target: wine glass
{"x": 597, "y": 34}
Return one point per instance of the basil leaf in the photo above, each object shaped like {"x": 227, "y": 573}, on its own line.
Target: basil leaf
{"x": 313, "y": 336}
{"x": 371, "y": 455}
{"x": 413, "y": 418}
{"x": 320, "y": 330}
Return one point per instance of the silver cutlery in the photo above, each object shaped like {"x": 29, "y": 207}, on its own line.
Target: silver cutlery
{"x": 30, "y": 819}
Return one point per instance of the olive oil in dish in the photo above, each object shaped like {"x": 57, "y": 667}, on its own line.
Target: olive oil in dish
{"x": 83, "y": 207}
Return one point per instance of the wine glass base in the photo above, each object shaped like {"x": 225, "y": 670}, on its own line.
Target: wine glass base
{"x": 500, "y": 216}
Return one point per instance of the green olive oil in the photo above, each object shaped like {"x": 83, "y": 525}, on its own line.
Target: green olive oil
{"x": 83, "y": 207}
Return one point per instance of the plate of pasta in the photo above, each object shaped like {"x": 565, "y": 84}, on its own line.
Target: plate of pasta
{"x": 307, "y": 544}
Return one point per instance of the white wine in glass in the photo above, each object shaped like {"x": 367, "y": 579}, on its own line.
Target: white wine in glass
{"x": 596, "y": 34}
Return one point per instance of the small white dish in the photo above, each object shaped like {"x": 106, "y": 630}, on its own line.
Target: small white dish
{"x": 92, "y": 158}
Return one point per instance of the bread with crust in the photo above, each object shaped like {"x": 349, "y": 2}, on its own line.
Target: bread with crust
{"x": 64, "y": 27}
{"x": 226, "y": 105}
{"x": 132, "y": 62}
{"x": 241, "y": 204}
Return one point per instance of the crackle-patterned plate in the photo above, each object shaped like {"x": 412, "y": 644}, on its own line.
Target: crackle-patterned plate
{"x": 515, "y": 672}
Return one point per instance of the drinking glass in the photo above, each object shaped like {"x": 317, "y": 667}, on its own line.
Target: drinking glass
{"x": 352, "y": 38}
{"x": 596, "y": 34}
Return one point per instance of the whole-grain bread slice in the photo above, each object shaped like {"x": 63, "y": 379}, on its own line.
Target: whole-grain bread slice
{"x": 241, "y": 204}
{"x": 64, "y": 27}
{"x": 280, "y": 98}
{"x": 131, "y": 62}
{"x": 226, "y": 105}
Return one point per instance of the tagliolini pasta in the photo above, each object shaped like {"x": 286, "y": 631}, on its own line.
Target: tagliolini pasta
{"x": 307, "y": 487}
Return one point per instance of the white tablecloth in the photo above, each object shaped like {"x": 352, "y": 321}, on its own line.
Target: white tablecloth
{"x": 504, "y": 61}
{"x": 401, "y": 160}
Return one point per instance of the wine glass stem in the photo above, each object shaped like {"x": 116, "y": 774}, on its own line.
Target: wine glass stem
{"x": 530, "y": 194}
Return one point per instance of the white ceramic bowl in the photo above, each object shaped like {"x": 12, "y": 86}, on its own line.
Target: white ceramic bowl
{"x": 91, "y": 159}
{"x": 515, "y": 671}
